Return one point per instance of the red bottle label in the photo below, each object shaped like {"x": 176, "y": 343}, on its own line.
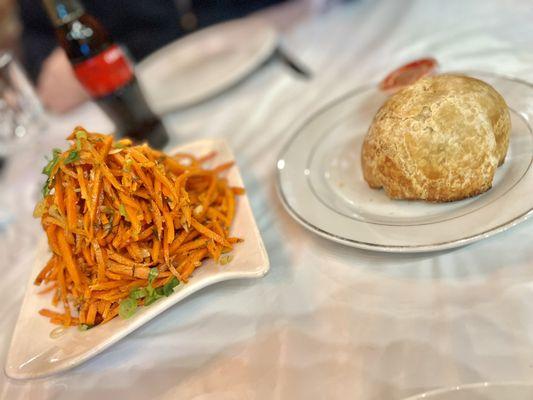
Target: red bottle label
{"x": 105, "y": 72}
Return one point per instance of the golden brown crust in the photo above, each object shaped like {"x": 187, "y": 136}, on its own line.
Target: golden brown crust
{"x": 440, "y": 139}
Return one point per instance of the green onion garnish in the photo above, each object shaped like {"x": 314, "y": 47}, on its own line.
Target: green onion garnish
{"x": 127, "y": 308}
{"x": 80, "y": 135}
{"x": 138, "y": 293}
{"x": 152, "y": 275}
{"x": 74, "y": 155}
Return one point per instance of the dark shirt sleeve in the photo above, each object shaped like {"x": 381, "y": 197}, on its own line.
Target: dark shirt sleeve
{"x": 37, "y": 37}
{"x": 142, "y": 26}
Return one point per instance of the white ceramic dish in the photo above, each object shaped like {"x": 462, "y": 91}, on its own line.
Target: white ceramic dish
{"x": 322, "y": 187}
{"x": 481, "y": 391}
{"x": 202, "y": 64}
{"x": 33, "y": 353}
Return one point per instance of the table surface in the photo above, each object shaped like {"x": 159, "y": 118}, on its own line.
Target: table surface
{"x": 328, "y": 321}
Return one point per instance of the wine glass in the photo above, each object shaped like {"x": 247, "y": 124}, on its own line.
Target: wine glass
{"x": 21, "y": 116}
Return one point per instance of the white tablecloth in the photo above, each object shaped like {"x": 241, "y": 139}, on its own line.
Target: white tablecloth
{"x": 327, "y": 321}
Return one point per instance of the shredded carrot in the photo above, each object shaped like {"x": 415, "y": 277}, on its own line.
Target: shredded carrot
{"x": 117, "y": 211}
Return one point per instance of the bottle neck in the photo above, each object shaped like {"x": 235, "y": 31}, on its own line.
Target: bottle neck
{"x": 63, "y": 11}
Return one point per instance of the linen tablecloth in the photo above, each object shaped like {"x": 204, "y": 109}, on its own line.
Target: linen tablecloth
{"x": 328, "y": 321}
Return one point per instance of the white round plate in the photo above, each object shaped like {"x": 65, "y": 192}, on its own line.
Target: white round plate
{"x": 202, "y": 64}
{"x": 481, "y": 391}
{"x": 321, "y": 184}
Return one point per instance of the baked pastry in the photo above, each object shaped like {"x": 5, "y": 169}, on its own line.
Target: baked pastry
{"x": 440, "y": 139}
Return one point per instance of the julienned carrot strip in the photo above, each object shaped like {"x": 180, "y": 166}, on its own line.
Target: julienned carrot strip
{"x": 107, "y": 285}
{"x": 71, "y": 208}
{"x": 95, "y": 195}
{"x": 117, "y": 211}
{"x": 223, "y": 167}
{"x": 135, "y": 252}
{"x": 174, "y": 271}
{"x": 178, "y": 242}
{"x": 157, "y": 219}
{"x": 66, "y": 255}
{"x": 156, "y": 247}
{"x": 47, "y": 268}
{"x": 147, "y": 233}
{"x": 192, "y": 245}
{"x": 48, "y": 221}
{"x": 209, "y": 233}
{"x": 157, "y": 194}
{"x": 107, "y": 307}
{"x": 192, "y": 263}
{"x": 231, "y": 205}
{"x": 91, "y": 314}
{"x": 134, "y": 220}
{"x": 58, "y": 197}
{"x": 238, "y": 191}
{"x": 128, "y": 201}
{"x": 48, "y": 289}
{"x": 144, "y": 178}
{"x": 83, "y": 187}
{"x": 169, "y": 227}
{"x": 101, "y": 257}
{"x": 125, "y": 260}
{"x": 166, "y": 251}
{"x": 164, "y": 181}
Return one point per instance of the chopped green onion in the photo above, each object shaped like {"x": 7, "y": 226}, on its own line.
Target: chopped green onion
{"x": 46, "y": 189}
{"x": 39, "y": 209}
{"x": 151, "y": 299}
{"x": 226, "y": 259}
{"x": 84, "y": 327}
{"x": 138, "y": 293}
{"x": 155, "y": 295}
{"x": 47, "y": 170}
{"x": 168, "y": 288}
{"x": 122, "y": 211}
{"x": 152, "y": 275}
{"x": 80, "y": 135}
{"x": 122, "y": 144}
{"x": 127, "y": 308}
{"x": 74, "y": 155}
{"x": 127, "y": 165}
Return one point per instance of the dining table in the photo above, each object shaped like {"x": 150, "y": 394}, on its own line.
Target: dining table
{"x": 328, "y": 321}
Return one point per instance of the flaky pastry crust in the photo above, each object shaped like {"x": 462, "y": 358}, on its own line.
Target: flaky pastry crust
{"x": 440, "y": 139}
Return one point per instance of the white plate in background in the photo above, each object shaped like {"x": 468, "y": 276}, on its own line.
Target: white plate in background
{"x": 202, "y": 64}
{"x": 33, "y": 353}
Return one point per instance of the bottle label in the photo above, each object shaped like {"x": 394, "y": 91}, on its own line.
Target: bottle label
{"x": 105, "y": 72}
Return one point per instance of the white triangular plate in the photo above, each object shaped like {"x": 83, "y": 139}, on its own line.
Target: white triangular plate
{"x": 33, "y": 353}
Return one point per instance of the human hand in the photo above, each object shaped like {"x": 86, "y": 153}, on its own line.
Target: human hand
{"x": 57, "y": 85}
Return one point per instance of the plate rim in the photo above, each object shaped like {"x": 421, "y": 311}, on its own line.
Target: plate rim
{"x": 436, "y": 392}
{"x": 11, "y": 370}
{"x": 463, "y": 241}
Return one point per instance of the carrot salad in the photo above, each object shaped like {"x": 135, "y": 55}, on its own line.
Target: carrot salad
{"x": 126, "y": 224}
